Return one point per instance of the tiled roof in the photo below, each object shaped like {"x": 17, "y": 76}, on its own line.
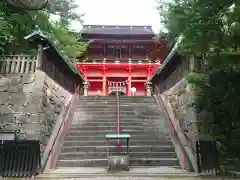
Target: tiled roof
{"x": 41, "y": 37}
{"x": 117, "y": 30}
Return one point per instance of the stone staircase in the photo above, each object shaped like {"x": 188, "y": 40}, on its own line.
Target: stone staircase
{"x": 94, "y": 117}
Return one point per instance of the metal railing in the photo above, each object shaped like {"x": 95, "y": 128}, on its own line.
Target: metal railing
{"x": 177, "y": 137}
{"x": 118, "y": 119}
{"x": 53, "y": 143}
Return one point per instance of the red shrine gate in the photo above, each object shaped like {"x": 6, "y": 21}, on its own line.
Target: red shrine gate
{"x": 120, "y": 58}
{"x": 108, "y": 78}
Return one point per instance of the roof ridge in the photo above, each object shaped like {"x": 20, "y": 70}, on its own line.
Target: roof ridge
{"x": 119, "y": 26}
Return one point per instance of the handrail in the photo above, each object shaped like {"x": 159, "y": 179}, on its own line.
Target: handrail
{"x": 50, "y": 151}
{"x": 173, "y": 133}
{"x": 118, "y": 119}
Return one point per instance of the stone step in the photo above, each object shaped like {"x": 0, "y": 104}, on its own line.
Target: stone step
{"x": 137, "y": 122}
{"x": 113, "y": 118}
{"x": 112, "y": 131}
{"x": 82, "y": 103}
{"x": 137, "y": 102}
{"x": 151, "y": 99}
{"x": 122, "y": 116}
{"x": 102, "y": 138}
{"x": 130, "y": 107}
{"x": 145, "y": 148}
{"x": 105, "y": 127}
{"x": 97, "y": 100}
{"x": 122, "y": 112}
{"x": 97, "y": 111}
{"x": 97, "y": 97}
{"x": 123, "y": 120}
{"x": 148, "y": 101}
{"x": 104, "y": 162}
{"x": 94, "y": 105}
{"x": 115, "y": 142}
{"x": 112, "y": 122}
{"x": 139, "y": 105}
{"x": 113, "y": 107}
{"x": 103, "y": 155}
{"x": 122, "y": 123}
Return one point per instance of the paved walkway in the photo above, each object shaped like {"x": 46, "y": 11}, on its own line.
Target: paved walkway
{"x": 159, "y": 173}
{"x": 133, "y": 178}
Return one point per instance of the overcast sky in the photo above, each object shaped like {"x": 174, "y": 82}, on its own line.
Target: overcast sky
{"x": 119, "y": 12}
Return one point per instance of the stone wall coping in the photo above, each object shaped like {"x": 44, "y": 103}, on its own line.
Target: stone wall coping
{"x": 186, "y": 145}
{"x": 54, "y": 133}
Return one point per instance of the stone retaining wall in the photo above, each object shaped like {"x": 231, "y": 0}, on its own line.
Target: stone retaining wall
{"x": 180, "y": 98}
{"x": 30, "y": 104}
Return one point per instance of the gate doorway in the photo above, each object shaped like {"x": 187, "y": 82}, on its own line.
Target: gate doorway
{"x": 113, "y": 89}
{"x": 119, "y": 93}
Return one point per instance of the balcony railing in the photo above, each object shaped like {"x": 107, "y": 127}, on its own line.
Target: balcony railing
{"x": 117, "y": 61}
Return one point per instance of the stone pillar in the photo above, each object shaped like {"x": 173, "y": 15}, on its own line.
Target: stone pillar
{"x": 129, "y": 84}
{"x": 85, "y": 87}
{"x": 149, "y": 88}
{"x": 104, "y": 85}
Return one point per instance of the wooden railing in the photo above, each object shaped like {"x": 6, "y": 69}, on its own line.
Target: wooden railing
{"x": 58, "y": 133}
{"x": 17, "y": 64}
{"x": 117, "y": 60}
{"x": 178, "y": 137}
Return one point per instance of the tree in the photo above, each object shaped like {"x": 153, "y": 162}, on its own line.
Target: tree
{"x": 66, "y": 10}
{"x": 17, "y": 23}
{"x": 211, "y": 31}
{"x": 73, "y": 48}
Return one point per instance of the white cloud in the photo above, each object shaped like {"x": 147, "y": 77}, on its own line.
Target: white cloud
{"x": 119, "y": 12}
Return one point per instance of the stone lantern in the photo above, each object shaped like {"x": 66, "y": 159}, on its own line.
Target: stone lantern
{"x": 29, "y": 4}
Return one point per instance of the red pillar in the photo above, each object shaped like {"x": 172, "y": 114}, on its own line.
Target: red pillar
{"x": 104, "y": 85}
{"x": 129, "y": 84}
{"x": 129, "y": 79}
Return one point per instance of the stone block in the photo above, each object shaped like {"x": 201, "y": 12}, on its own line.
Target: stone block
{"x": 5, "y": 109}
{"x": 11, "y": 127}
{"x": 35, "y": 97}
{"x": 4, "y": 97}
{"x": 50, "y": 114}
{"x": 29, "y": 135}
{"x": 8, "y": 118}
{"x": 34, "y": 108}
{"x": 21, "y": 118}
{"x": 4, "y": 88}
{"x": 5, "y": 81}
{"x": 15, "y": 89}
{"x": 36, "y": 127}
{"x": 28, "y": 88}
{"x": 18, "y": 99}
{"x": 19, "y": 109}
{"x": 36, "y": 118}
{"x": 15, "y": 80}
{"x": 27, "y": 79}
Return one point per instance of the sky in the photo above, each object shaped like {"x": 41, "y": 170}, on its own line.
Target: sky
{"x": 119, "y": 12}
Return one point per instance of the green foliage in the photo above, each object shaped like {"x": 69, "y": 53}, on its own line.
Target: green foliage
{"x": 15, "y": 24}
{"x": 197, "y": 78}
{"x": 211, "y": 31}
{"x": 73, "y": 48}
{"x": 66, "y": 9}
